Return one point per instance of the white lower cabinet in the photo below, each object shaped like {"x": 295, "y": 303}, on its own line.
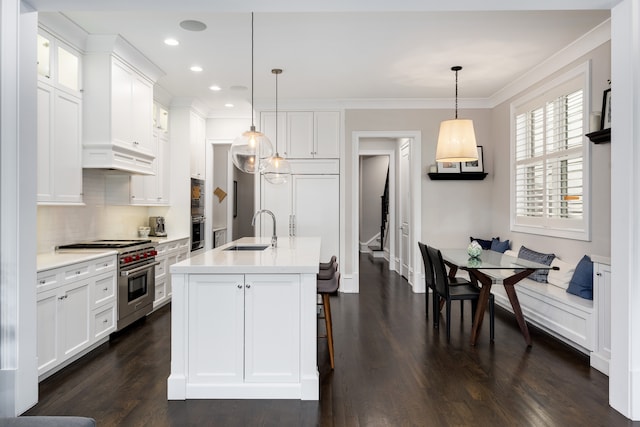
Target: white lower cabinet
{"x": 169, "y": 253}
{"x": 75, "y": 310}
{"x": 601, "y": 356}
{"x": 244, "y": 328}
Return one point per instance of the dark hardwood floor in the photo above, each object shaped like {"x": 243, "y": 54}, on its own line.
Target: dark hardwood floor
{"x": 392, "y": 369}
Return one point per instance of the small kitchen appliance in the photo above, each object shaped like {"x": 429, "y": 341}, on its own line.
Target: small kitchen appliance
{"x": 156, "y": 224}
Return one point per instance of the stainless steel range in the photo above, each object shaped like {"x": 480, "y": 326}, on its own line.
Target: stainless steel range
{"x": 136, "y": 275}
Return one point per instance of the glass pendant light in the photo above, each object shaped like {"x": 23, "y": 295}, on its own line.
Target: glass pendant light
{"x": 278, "y": 169}
{"x": 457, "y": 139}
{"x": 251, "y": 151}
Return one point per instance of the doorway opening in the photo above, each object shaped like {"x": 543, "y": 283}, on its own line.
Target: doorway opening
{"x": 404, "y": 151}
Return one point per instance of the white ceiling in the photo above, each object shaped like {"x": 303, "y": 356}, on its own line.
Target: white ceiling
{"x": 346, "y": 52}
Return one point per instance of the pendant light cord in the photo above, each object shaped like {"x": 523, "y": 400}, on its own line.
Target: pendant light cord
{"x": 456, "y": 93}
{"x": 277, "y": 114}
{"x": 252, "y": 122}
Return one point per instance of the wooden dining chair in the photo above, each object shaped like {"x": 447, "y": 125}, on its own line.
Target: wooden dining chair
{"x": 449, "y": 293}
{"x": 430, "y": 284}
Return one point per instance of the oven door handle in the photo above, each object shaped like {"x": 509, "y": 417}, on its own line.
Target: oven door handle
{"x": 137, "y": 269}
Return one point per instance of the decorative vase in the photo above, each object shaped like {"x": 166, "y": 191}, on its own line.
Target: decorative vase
{"x": 474, "y": 249}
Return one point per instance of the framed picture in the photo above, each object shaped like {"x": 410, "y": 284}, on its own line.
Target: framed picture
{"x": 605, "y": 121}
{"x": 448, "y": 167}
{"x": 476, "y": 165}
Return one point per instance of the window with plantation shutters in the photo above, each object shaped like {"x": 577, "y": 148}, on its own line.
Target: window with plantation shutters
{"x": 549, "y": 158}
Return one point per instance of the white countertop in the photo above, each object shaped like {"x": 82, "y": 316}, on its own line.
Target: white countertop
{"x": 50, "y": 260}
{"x": 166, "y": 239}
{"x": 292, "y": 255}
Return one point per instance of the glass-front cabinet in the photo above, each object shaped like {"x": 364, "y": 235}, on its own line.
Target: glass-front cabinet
{"x": 59, "y": 64}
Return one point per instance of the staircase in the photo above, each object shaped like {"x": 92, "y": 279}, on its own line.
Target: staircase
{"x": 377, "y": 249}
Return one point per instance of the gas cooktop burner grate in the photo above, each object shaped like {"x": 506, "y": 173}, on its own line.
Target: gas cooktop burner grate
{"x": 107, "y": 244}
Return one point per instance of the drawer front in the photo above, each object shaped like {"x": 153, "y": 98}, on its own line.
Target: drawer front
{"x": 104, "y": 321}
{"x": 47, "y": 279}
{"x": 172, "y": 246}
{"x": 183, "y": 245}
{"x": 76, "y": 271}
{"x": 161, "y": 291}
{"x": 161, "y": 269}
{"x": 104, "y": 289}
{"x": 105, "y": 264}
{"x": 162, "y": 249}
{"x": 181, "y": 256}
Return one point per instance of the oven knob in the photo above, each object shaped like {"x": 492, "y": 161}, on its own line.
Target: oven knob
{"x": 137, "y": 257}
{"x": 145, "y": 255}
{"x": 154, "y": 253}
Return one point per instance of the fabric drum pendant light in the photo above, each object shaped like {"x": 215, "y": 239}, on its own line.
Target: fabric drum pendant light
{"x": 278, "y": 169}
{"x": 457, "y": 138}
{"x": 251, "y": 151}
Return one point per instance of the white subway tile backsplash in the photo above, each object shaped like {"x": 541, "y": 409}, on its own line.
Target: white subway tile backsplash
{"x": 59, "y": 225}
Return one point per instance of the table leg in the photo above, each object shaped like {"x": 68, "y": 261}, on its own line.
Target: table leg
{"x": 476, "y": 276}
{"x": 515, "y": 304}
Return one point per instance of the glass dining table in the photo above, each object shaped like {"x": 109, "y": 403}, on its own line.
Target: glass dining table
{"x": 486, "y": 269}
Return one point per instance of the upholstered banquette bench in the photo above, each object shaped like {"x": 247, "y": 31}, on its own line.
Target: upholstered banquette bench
{"x": 548, "y": 306}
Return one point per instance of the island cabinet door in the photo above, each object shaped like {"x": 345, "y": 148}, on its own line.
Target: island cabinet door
{"x": 272, "y": 328}
{"x": 216, "y": 328}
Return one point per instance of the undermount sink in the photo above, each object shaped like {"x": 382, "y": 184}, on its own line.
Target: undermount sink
{"x": 247, "y": 248}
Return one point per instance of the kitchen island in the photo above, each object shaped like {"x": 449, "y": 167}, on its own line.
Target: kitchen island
{"x": 243, "y": 322}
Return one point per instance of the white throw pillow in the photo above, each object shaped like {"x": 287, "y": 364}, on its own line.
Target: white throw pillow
{"x": 561, "y": 277}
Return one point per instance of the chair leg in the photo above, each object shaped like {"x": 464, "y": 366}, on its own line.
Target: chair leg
{"x": 461, "y": 310}
{"x": 327, "y": 320}
{"x": 448, "y": 320}
{"x": 491, "y": 317}
{"x": 436, "y": 311}
{"x": 426, "y": 303}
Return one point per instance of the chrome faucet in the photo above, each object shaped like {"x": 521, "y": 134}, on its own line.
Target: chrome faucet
{"x": 274, "y": 238}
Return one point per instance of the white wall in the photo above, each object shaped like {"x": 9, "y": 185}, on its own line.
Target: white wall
{"x": 451, "y": 210}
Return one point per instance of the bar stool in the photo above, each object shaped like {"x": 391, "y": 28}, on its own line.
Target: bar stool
{"x": 328, "y": 265}
{"x": 328, "y": 282}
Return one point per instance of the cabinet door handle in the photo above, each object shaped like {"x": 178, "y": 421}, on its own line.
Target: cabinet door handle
{"x": 248, "y": 285}
{"x": 598, "y": 274}
{"x": 239, "y": 286}
{"x": 105, "y": 289}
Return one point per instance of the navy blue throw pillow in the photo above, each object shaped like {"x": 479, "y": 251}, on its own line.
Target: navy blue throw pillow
{"x": 546, "y": 259}
{"x": 498, "y": 246}
{"x": 581, "y": 283}
{"x": 484, "y": 244}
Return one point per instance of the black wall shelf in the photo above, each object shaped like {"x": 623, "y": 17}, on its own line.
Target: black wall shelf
{"x": 471, "y": 176}
{"x": 600, "y": 136}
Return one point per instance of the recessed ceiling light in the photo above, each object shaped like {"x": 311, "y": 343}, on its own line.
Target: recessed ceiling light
{"x": 215, "y": 88}
{"x": 191, "y": 25}
{"x": 171, "y": 42}
{"x": 196, "y": 68}
{"x": 228, "y": 105}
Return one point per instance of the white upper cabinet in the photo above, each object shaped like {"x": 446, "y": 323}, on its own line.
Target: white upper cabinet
{"x": 131, "y": 108}
{"x": 299, "y": 134}
{"x": 59, "y": 118}
{"x": 304, "y": 134}
{"x": 153, "y": 189}
{"x": 118, "y": 106}
{"x": 326, "y": 134}
{"x": 197, "y": 128}
{"x": 59, "y": 64}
